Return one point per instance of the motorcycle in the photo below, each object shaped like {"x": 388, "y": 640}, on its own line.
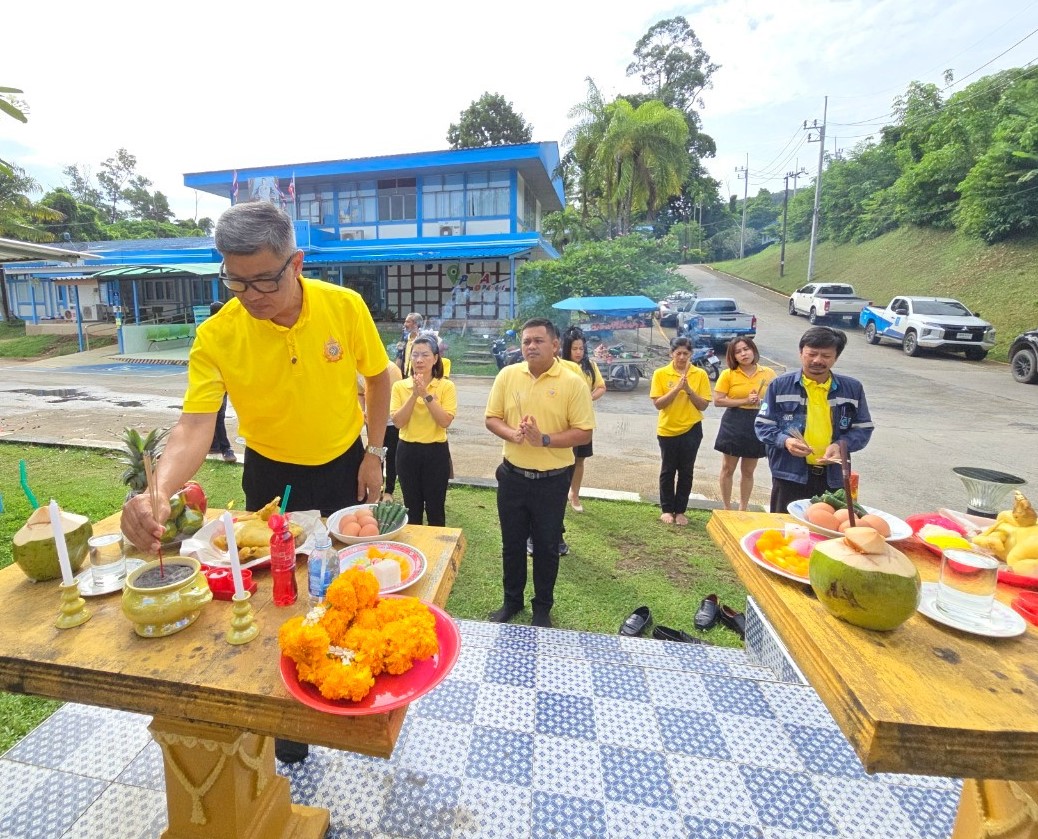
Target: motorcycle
{"x": 503, "y": 354}
{"x": 706, "y": 359}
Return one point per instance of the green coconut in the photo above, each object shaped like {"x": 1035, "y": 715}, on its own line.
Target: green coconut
{"x": 35, "y": 551}
{"x": 863, "y": 580}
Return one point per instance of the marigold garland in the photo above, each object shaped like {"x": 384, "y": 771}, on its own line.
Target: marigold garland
{"x": 343, "y": 645}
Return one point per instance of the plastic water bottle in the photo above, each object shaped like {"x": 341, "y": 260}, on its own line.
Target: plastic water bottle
{"x": 323, "y": 565}
{"x": 282, "y": 561}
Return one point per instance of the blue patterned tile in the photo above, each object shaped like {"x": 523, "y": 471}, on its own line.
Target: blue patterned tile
{"x": 337, "y": 832}
{"x": 797, "y": 704}
{"x": 625, "y": 723}
{"x": 454, "y": 700}
{"x": 692, "y": 732}
{"x": 353, "y": 787}
{"x": 493, "y": 811}
{"x": 825, "y": 751}
{"x": 636, "y": 776}
{"x": 575, "y": 765}
{"x": 436, "y": 746}
{"x": 708, "y": 828}
{"x": 421, "y": 806}
{"x": 517, "y": 635}
{"x": 123, "y": 811}
{"x": 759, "y": 742}
{"x": 145, "y": 770}
{"x": 565, "y": 675}
{"x": 787, "y": 800}
{"x": 862, "y": 808}
{"x": 707, "y": 788}
{"x": 620, "y": 682}
{"x": 738, "y": 696}
{"x": 505, "y": 757}
{"x": 510, "y": 668}
{"x": 52, "y": 802}
{"x": 505, "y": 706}
{"x": 565, "y": 716}
{"x": 604, "y": 648}
{"x": 674, "y": 689}
{"x": 629, "y": 821}
{"x": 566, "y": 815}
{"x": 471, "y": 664}
{"x": 932, "y": 812}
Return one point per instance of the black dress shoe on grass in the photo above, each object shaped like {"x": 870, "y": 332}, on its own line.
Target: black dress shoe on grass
{"x": 735, "y": 621}
{"x": 541, "y": 618}
{"x": 563, "y": 548}
{"x": 707, "y": 613}
{"x": 637, "y": 622}
{"x": 504, "y": 614}
{"x": 665, "y": 633}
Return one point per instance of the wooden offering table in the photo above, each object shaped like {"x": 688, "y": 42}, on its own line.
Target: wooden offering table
{"x": 923, "y": 699}
{"x": 216, "y": 706}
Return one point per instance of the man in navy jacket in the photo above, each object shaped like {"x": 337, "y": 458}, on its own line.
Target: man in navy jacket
{"x": 824, "y": 408}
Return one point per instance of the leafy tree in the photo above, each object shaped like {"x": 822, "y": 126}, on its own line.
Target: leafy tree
{"x": 584, "y": 140}
{"x": 762, "y": 210}
{"x": 15, "y": 109}
{"x": 489, "y": 121}
{"x": 81, "y": 185}
{"x": 21, "y": 217}
{"x": 148, "y": 229}
{"x": 82, "y": 222}
{"x": 672, "y": 64}
{"x": 116, "y": 173}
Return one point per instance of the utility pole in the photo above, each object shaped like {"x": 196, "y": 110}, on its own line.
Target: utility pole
{"x": 818, "y": 184}
{"x": 744, "y": 173}
{"x": 785, "y": 207}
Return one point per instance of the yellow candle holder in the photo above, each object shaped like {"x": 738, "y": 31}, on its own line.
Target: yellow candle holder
{"x": 243, "y": 622}
{"x": 73, "y": 607}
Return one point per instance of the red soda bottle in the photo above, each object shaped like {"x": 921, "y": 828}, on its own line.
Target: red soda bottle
{"x": 282, "y": 561}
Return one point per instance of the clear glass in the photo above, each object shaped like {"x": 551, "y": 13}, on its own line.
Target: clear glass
{"x": 107, "y": 561}
{"x": 966, "y": 589}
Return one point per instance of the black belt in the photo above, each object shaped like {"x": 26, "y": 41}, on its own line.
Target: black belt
{"x": 815, "y": 470}
{"x": 533, "y": 474}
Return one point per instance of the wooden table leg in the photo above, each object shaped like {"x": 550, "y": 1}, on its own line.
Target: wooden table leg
{"x": 1003, "y": 809}
{"x": 221, "y": 784}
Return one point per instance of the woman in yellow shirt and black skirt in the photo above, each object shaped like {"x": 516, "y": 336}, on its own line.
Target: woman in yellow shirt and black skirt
{"x": 422, "y": 408}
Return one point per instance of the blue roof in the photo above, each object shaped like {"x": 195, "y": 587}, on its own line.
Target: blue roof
{"x": 412, "y": 253}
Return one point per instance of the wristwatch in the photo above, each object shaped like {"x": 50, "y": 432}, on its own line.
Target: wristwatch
{"x": 545, "y": 440}
{"x": 428, "y": 397}
{"x": 378, "y": 451}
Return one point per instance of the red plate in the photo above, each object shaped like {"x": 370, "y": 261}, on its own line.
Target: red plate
{"x": 389, "y": 692}
{"x": 1019, "y": 580}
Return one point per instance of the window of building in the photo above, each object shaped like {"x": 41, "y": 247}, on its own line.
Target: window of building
{"x": 529, "y": 208}
{"x": 487, "y": 193}
{"x": 398, "y": 199}
{"x": 443, "y": 196}
{"x": 357, "y": 203}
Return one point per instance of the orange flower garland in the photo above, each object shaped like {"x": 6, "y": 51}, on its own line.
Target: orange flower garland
{"x": 343, "y": 645}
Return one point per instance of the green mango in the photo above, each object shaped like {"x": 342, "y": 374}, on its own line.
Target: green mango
{"x": 169, "y": 532}
{"x": 191, "y": 521}
{"x": 176, "y": 506}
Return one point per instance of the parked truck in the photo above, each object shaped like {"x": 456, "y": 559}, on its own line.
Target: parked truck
{"x": 716, "y": 320}
{"x": 929, "y": 323}
{"x": 827, "y": 302}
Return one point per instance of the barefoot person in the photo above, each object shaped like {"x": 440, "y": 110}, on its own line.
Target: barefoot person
{"x": 680, "y": 392}
{"x": 574, "y": 350}
{"x": 739, "y": 390}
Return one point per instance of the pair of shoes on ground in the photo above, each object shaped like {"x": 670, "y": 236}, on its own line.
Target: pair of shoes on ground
{"x": 563, "y": 547}
{"x": 541, "y": 617}
{"x": 640, "y": 620}
{"x": 712, "y": 612}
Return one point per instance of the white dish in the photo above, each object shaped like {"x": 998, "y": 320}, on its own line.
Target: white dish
{"x": 899, "y": 529}
{"x": 1003, "y": 622}
{"x": 749, "y": 547}
{"x": 348, "y": 557}
{"x": 88, "y": 588}
{"x": 336, "y": 517}
{"x": 202, "y": 548}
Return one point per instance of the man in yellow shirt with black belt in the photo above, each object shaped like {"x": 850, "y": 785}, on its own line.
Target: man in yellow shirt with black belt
{"x": 541, "y": 410}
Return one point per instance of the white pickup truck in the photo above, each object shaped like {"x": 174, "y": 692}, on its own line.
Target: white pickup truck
{"x": 827, "y": 301}
{"x": 929, "y": 323}
{"x": 715, "y": 320}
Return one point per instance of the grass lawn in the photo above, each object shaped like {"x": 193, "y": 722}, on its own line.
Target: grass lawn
{"x": 14, "y": 343}
{"x": 621, "y": 556}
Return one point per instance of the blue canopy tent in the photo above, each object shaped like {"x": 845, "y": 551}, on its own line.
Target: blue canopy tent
{"x": 627, "y": 306}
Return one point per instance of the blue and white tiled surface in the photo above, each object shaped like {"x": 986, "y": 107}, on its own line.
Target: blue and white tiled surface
{"x": 536, "y": 734}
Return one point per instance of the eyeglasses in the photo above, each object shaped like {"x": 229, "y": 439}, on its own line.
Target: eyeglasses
{"x": 264, "y": 285}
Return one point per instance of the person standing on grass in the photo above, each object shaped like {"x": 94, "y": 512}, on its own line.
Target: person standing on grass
{"x": 541, "y": 410}
{"x": 422, "y": 407}
{"x": 392, "y": 436}
{"x": 739, "y": 390}
{"x": 680, "y": 392}
{"x": 574, "y": 350}
{"x": 821, "y": 409}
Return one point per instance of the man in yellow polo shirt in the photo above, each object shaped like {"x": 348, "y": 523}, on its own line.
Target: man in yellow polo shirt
{"x": 541, "y": 410}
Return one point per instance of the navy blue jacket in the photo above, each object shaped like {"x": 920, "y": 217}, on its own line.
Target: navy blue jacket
{"x": 785, "y": 407}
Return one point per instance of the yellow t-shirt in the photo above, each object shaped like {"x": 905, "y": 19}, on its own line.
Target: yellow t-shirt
{"x": 680, "y": 415}
{"x": 819, "y": 431}
{"x": 558, "y": 399}
{"x": 421, "y": 427}
{"x": 294, "y": 388}
{"x": 735, "y": 384}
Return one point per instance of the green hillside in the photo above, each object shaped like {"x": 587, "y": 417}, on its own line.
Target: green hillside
{"x": 1000, "y": 281}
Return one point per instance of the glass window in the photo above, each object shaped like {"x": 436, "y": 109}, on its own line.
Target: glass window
{"x": 357, "y": 203}
{"x": 443, "y": 196}
{"x": 529, "y": 208}
{"x": 487, "y": 193}
{"x": 398, "y": 199}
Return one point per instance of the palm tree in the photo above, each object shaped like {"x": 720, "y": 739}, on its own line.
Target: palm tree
{"x": 643, "y": 159}
{"x": 10, "y": 106}
{"x": 584, "y": 140}
{"x": 19, "y": 214}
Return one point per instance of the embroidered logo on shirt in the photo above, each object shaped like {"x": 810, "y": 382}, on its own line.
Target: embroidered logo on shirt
{"x": 332, "y": 350}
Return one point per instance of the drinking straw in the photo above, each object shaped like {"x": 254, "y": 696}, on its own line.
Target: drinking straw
{"x": 23, "y": 474}
{"x": 284, "y": 498}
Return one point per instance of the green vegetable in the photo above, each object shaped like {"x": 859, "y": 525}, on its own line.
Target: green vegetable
{"x": 389, "y": 515}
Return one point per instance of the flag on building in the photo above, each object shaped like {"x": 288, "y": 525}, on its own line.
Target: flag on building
{"x": 292, "y": 188}
{"x": 234, "y": 187}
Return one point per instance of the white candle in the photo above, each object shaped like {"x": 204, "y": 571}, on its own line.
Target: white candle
{"x": 59, "y": 541}
{"x": 232, "y": 552}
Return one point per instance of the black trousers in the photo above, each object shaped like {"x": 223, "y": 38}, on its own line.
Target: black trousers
{"x": 390, "y": 442}
{"x": 328, "y": 487}
{"x": 424, "y": 472}
{"x": 679, "y": 459}
{"x": 220, "y": 442}
{"x": 784, "y": 492}
{"x": 530, "y": 509}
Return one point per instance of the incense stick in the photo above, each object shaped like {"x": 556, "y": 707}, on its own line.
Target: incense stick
{"x": 153, "y": 493}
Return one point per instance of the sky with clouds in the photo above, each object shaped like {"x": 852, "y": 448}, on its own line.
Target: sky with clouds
{"x": 230, "y": 85}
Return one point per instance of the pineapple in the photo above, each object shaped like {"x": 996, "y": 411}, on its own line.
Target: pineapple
{"x": 136, "y": 447}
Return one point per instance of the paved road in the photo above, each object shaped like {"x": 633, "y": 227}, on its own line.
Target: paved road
{"x": 932, "y": 413}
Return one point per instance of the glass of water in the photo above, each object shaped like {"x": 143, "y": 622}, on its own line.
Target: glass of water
{"x": 966, "y": 590}
{"x": 107, "y": 562}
